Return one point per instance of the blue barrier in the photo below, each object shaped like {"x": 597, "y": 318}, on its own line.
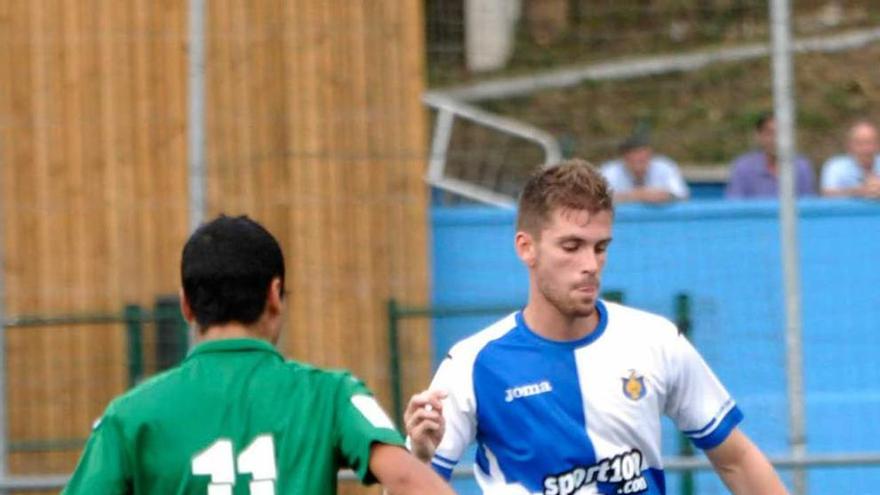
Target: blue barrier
{"x": 707, "y": 189}
{"x": 726, "y": 256}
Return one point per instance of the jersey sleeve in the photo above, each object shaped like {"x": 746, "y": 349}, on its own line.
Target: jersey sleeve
{"x": 104, "y": 466}
{"x": 698, "y": 403}
{"x": 361, "y": 422}
{"x": 459, "y": 412}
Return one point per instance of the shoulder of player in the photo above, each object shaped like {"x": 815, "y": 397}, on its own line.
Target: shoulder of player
{"x": 146, "y": 388}
{"x": 650, "y": 326}
{"x": 468, "y": 348}
{"x": 132, "y": 403}
{"x": 325, "y": 378}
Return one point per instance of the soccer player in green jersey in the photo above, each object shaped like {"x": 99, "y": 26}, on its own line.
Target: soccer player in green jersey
{"x": 236, "y": 418}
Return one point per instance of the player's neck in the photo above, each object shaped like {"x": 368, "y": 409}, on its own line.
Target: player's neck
{"x": 228, "y": 331}
{"x": 545, "y": 320}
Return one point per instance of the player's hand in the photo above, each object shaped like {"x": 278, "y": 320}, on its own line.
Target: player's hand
{"x": 424, "y": 422}
{"x": 871, "y": 188}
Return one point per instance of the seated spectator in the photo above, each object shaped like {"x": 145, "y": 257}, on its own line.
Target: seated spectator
{"x": 857, "y": 173}
{"x": 641, "y": 176}
{"x": 755, "y": 174}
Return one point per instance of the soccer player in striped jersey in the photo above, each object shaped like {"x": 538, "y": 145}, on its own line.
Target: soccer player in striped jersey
{"x": 565, "y": 396}
{"x": 235, "y": 417}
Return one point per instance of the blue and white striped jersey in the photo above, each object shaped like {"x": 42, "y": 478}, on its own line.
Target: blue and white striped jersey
{"x": 579, "y": 417}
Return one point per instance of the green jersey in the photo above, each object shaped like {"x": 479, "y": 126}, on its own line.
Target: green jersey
{"x": 234, "y": 418}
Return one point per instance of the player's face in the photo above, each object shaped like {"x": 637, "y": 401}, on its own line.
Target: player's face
{"x": 569, "y": 258}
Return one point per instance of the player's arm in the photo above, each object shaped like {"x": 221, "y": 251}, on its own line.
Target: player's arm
{"x": 704, "y": 411}
{"x": 103, "y": 467}
{"x": 743, "y": 467}
{"x": 369, "y": 444}
{"x": 401, "y": 474}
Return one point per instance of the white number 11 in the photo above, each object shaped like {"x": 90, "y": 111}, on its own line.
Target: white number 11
{"x": 257, "y": 459}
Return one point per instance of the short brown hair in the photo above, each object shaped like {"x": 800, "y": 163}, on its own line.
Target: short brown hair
{"x": 574, "y": 184}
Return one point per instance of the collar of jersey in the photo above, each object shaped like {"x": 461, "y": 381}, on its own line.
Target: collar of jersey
{"x": 589, "y": 339}
{"x": 232, "y": 345}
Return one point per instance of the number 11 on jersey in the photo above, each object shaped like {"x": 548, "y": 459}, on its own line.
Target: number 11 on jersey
{"x": 257, "y": 459}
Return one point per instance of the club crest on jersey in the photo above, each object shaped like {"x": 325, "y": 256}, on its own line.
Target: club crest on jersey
{"x": 634, "y": 386}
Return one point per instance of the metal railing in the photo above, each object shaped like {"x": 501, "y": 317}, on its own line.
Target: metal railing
{"x": 169, "y": 324}
{"x": 460, "y": 101}
{"x": 465, "y": 471}
{"x": 686, "y": 464}
{"x": 447, "y": 111}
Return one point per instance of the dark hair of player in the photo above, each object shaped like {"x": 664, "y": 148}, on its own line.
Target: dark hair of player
{"x": 227, "y": 267}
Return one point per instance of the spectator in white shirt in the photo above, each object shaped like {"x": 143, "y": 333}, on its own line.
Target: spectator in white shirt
{"x": 857, "y": 173}
{"x": 642, "y": 176}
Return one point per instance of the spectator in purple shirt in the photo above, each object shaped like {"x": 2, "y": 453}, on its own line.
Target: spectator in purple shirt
{"x": 755, "y": 174}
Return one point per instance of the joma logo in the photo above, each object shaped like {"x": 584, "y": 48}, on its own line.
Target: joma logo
{"x": 527, "y": 390}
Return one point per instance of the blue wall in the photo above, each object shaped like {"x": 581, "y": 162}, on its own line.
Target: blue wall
{"x": 726, "y": 256}
{"x": 706, "y": 190}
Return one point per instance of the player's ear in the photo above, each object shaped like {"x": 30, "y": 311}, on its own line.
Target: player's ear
{"x": 525, "y": 247}
{"x": 274, "y": 297}
{"x": 185, "y": 308}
